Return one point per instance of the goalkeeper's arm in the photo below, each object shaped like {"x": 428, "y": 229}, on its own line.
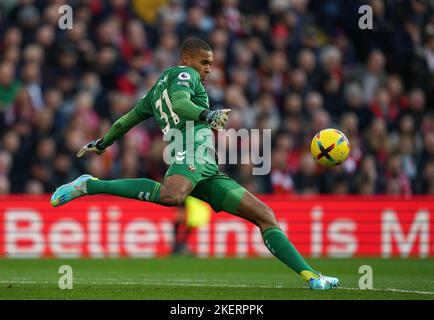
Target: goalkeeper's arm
{"x": 119, "y": 128}
{"x": 183, "y": 106}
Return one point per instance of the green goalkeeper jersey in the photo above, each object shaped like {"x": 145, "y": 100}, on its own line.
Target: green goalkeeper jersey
{"x": 157, "y": 103}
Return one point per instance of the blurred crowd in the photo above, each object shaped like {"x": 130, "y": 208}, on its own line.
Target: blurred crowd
{"x": 292, "y": 66}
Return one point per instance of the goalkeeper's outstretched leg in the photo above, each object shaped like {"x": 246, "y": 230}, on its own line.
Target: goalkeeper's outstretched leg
{"x": 256, "y": 211}
{"x": 172, "y": 192}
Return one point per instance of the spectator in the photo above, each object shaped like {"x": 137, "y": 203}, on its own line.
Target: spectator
{"x": 371, "y": 76}
{"x": 305, "y": 179}
{"x": 9, "y": 86}
{"x": 397, "y": 182}
{"x": 353, "y": 99}
{"x": 4, "y": 185}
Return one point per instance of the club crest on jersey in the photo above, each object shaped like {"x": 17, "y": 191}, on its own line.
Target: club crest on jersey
{"x": 191, "y": 168}
{"x": 184, "y": 76}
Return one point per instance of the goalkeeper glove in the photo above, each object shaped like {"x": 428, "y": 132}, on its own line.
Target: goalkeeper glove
{"x": 217, "y": 119}
{"x": 96, "y": 146}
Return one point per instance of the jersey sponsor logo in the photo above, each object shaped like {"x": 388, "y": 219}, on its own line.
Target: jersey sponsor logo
{"x": 183, "y": 83}
{"x": 184, "y": 76}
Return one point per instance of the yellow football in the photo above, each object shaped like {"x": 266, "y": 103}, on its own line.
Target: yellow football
{"x": 330, "y": 147}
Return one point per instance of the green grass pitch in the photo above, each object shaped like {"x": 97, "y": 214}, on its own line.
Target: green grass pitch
{"x": 188, "y": 278}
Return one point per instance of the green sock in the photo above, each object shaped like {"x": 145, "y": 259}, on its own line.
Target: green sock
{"x": 140, "y": 189}
{"x": 279, "y": 245}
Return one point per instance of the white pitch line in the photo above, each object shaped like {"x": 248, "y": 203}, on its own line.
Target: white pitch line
{"x": 388, "y": 289}
{"x": 153, "y": 283}
{"x": 190, "y": 283}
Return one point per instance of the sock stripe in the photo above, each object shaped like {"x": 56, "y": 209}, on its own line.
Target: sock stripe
{"x": 155, "y": 191}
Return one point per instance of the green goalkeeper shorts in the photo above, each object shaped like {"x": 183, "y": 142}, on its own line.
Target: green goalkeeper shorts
{"x": 210, "y": 185}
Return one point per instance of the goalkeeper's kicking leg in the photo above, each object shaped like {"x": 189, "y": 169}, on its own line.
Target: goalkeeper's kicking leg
{"x": 172, "y": 192}
{"x": 254, "y": 210}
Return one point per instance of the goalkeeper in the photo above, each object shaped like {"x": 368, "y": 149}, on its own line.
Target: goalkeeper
{"x": 179, "y": 96}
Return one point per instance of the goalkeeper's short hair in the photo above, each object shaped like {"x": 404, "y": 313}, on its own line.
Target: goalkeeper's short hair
{"x": 193, "y": 45}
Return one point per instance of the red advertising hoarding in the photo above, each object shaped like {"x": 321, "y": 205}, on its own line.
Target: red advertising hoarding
{"x": 98, "y": 227}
